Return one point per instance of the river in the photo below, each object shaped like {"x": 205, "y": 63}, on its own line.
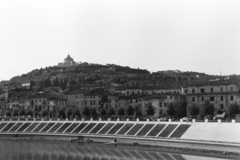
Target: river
{"x": 25, "y": 150}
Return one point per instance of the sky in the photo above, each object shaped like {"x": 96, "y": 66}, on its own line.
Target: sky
{"x": 188, "y": 35}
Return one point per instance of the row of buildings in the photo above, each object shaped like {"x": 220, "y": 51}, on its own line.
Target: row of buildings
{"x": 220, "y": 93}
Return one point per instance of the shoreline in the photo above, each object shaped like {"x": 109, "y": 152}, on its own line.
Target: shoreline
{"x": 162, "y": 148}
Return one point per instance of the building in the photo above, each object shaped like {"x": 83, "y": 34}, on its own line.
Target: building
{"x": 76, "y": 98}
{"x": 220, "y": 93}
{"x": 68, "y": 61}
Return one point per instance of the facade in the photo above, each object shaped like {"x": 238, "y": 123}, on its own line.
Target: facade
{"x": 220, "y": 93}
{"x": 76, "y": 98}
{"x": 160, "y": 102}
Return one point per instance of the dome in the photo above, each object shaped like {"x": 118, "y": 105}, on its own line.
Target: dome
{"x": 68, "y": 58}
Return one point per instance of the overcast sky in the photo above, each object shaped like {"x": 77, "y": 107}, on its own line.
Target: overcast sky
{"x": 187, "y": 35}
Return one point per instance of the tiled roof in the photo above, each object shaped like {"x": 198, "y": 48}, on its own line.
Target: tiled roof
{"x": 147, "y": 87}
{"x": 215, "y": 83}
{"x": 76, "y": 92}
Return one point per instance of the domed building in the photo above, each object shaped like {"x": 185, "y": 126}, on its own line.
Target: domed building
{"x": 68, "y": 61}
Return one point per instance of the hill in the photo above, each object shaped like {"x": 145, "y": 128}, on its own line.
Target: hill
{"x": 86, "y": 74}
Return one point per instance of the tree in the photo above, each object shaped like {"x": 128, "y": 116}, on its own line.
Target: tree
{"x": 193, "y": 110}
{"x": 8, "y": 113}
{"x": 233, "y": 109}
{"x": 150, "y": 110}
{"x": 207, "y": 108}
{"x": 69, "y": 113}
{"x": 29, "y": 113}
{"x": 94, "y": 113}
{"x": 103, "y": 112}
{"x": 181, "y": 109}
{"x": 130, "y": 111}
{"x": 22, "y": 112}
{"x": 111, "y": 111}
{"x": 86, "y": 112}
{"x": 32, "y": 83}
{"x": 62, "y": 114}
{"x": 77, "y": 114}
{"x": 36, "y": 114}
{"x": 15, "y": 113}
{"x": 121, "y": 112}
{"x": 138, "y": 112}
{"x": 171, "y": 110}
{"x": 44, "y": 113}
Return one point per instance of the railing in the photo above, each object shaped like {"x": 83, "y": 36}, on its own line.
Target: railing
{"x": 138, "y": 120}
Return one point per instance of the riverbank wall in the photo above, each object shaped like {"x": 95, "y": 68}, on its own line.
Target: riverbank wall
{"x": 223, "y": 136}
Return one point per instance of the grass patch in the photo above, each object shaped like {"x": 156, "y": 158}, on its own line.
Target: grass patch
{"x": 125, "y": 128}
{"x": 106, "y": 128}
{"x": 60, "y": 130}
{"x": 39, "y": 127}
{"x": 72, "y": 127}
{"x": 97, "y": 128}
{"x": 31, "y": 127}
{"x": 13, "y": 129}
{"x": 145, "y": 130}
{"x": 115, "y": 128}
{"x": 135, "y": 129}
{"x": 55, "y": 127}
{"x": 80, "y": 127}
{"x": 24, "y": 126}
{"x": 154, "y": 132}
{"x": 89, "y": 127}
{"x": 8, "y": 127}
{"x": 168, "y": 130}
{"x": 180, "y": 131}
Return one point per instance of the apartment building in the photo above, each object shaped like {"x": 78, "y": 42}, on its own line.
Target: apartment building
{"x": 220, "y": 93}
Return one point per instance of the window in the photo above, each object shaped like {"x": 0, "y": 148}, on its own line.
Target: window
{"x": 221, "y": 98}
{"x": 231, "y": 98}
{"x": 165, "y": 104}
{"x": 193, "y": 99}
{"x": 160, "y": 104}
{"x": 221, "y": 89}
{"x": 193, "y": 90}
{"x": 170, "y": 97}
{"x": 202, "y": 90}
{"x": 202, "y": 98}
{"x": 211, "y": 89}
{"x": 212, "y": 98}
{"x": 221, "y": 106}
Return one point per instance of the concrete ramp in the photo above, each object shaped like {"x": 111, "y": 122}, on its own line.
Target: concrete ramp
{"x": 221, "y": 132}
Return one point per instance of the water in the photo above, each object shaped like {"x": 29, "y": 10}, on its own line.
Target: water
{"x": 24, "y": 150}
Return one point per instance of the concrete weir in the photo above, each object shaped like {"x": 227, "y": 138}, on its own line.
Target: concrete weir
{"x": 171, "y": 133}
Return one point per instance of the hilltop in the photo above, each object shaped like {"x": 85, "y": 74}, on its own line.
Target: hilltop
{"x": 86, "y": 74}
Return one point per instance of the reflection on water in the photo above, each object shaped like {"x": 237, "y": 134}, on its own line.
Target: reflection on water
{"x": 20, "y": 150}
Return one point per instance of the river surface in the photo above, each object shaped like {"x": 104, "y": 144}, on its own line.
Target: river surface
{"x": 24, "y": 150}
